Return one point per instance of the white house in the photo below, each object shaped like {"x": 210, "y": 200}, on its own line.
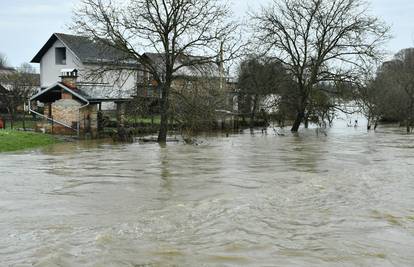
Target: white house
{"x": 89, "y": 57}
{"x": 77, "y": 76}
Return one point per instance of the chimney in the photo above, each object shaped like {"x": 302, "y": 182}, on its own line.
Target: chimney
{"x": 69, "y": 77}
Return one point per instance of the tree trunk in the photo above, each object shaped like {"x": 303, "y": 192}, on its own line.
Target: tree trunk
{"x": 298, "y": 121}
{"x": 369, "y": 123}
{"x": 409, "y": 119}
{"x": 253, "y": 112}
{"x": 163, "y": 131}
{"x": 24, "y": 121}
{"x": 162, "y": 134}
{"x": 306, "y": 121}
{"x": 300, "y": 115}
{"x": 11, "y": 116}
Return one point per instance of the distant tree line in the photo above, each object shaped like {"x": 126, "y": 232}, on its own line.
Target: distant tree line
{"x": 388, "y": 94}
{"x": 381, "y": 94}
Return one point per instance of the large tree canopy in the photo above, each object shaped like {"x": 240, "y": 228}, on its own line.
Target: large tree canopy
{"x": 392, "y": 90}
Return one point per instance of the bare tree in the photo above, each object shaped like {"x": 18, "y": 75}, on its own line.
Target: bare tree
{"x": 18, "y": 85}
{"x": 366, "y": 94}
{"x": 319, "y": 40}
{"x": 261, "y": 82}
{"x": 174, "y": 29}
{"x": 195, "y": 103}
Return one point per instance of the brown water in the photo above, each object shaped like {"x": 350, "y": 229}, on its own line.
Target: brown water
{"x": 264, "y": 200}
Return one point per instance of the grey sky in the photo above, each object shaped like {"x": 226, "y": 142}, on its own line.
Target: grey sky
{"x": 25, "y": 25}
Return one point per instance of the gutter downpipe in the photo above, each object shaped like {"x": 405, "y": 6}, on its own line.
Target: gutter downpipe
{"x": 46, "y": 117}
{"x": 79, "y": 116}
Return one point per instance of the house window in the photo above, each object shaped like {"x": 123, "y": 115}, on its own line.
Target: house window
{"x": 60, "y": 53}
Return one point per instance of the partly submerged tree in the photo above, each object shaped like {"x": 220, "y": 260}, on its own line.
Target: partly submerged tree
{"x": 365, "y": 92}
{"x": 261, "y": 83}
{"x": 174, "y": 29}
{"x": 195, "y": 104}
{"x": 319, "y": 41}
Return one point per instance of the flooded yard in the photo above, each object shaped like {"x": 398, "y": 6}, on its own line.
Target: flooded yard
{"x": 345, "y": 199}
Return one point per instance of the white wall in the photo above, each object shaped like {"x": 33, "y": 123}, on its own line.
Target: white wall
{"x": 121, "y": 85}
{"x": 50, "y": 71}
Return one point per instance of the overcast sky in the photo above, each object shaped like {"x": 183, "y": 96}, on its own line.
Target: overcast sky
{"x": 25, "y": 25}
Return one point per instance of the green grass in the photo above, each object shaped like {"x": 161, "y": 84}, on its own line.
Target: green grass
{"x": 11, "y": 140}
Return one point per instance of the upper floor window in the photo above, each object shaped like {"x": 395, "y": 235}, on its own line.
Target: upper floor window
{"x": 60, "y": 53}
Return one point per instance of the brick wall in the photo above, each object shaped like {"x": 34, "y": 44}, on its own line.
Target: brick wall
{"x": 66, "y": 111}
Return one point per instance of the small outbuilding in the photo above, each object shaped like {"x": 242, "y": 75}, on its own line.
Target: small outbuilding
{"x": 69, "y": 108}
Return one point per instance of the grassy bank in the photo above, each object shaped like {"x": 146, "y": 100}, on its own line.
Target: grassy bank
{"x": 11, "y": 140}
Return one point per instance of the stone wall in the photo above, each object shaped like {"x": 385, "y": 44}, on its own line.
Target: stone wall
{"x": 67, "y": 111}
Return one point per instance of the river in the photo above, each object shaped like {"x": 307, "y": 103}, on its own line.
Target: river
{"x": 345, "y": 199}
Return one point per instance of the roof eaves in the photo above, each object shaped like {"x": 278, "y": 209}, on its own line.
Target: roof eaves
{"x": 43, "y": 91}
{"x": 61, "y": 86}
{"x": 55, "y": 36}
{"x": 44, "y": 49}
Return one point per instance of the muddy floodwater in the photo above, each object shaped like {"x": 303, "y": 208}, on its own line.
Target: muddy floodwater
{"x": 345, "y": 199}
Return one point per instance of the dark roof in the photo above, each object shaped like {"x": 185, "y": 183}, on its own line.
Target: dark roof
{"x": 81, "y": 96}
{"x": 197, "y": 65}
{"x": 87, "y": 50}
{"x": 85, "y": 93}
